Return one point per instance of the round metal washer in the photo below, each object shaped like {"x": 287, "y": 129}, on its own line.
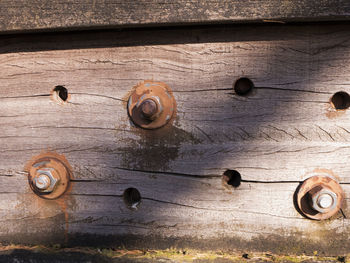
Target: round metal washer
{"x": 156, "y": 91}
{"x": 320, "y": 181}
{"x": 59, "y": 168}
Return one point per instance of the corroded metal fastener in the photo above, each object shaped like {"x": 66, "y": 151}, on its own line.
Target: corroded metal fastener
{"x": 150, "y": 109}
{"x": 151, "y": 104}
{"x": 49, "y": 175}
{"x": 320, "y": 197}
{"x": 44, "y": 181}
{"x": 323, "y": 199}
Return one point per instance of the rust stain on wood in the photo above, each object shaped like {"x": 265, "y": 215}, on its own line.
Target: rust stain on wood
{"x": 155, "y": 149}
{"x": 273, "y": 137}
{"x": 332, "y": 113}
{"x": 61, "y": 201}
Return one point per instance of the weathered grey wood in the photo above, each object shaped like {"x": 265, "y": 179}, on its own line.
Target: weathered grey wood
{"x": 198, "y": 209}
{"x": 21, "y": 15}
{"x": 274, "y": 137}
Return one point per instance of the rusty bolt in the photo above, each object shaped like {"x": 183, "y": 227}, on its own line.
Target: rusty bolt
{"x": 151, "y": 105}
{"x": 320, "y": 196}
{"x": 323, "y": 199}
{"x": 44, "y": 181}
{"x": 49, "y": 175}
{"x": 150, "y": 108}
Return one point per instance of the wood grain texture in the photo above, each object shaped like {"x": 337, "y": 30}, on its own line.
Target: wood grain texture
{"x": 21, "y": 15}
{"x": 274, "y": 137}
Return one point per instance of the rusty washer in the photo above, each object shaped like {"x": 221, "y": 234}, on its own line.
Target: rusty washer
{"x": 151, "y": 105}
{"x": 49, "y": 175}
{"x": 320, "y": 197}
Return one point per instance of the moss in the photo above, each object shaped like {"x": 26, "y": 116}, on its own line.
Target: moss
{"x": 297, "y": 259}
{"x": 180, "y": 255}
{"x": 290, "y": 259}
{"x": 108, "y": 253}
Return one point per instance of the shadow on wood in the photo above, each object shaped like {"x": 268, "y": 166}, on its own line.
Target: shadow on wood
{"x": 274, "y": 137}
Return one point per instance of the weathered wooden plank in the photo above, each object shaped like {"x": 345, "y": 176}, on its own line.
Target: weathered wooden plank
{"x": 22, "y": 15}
{"x": 277, "y": 120}
{"x": 198, "y": 208}
{"x": 274, "y": 137}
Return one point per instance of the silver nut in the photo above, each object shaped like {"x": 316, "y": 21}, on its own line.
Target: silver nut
{"x": 44, "y": 181}
{"x": 324, "y": 201}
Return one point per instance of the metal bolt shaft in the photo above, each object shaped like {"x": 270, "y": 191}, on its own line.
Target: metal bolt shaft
{"x": 42, "y": 182}
{"x": 325, "y": 201}
{"x": 149, "y": 108}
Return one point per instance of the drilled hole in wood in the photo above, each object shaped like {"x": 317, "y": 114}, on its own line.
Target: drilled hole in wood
{"x": 132, "y": 198}
{"x": 232, "y": 177}
{"x": 243, "y": 86}
{"x": 60, "y": 93}
{"x": 340, "y": 100}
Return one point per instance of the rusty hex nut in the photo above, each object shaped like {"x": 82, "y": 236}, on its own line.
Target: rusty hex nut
{"x": 49, "y": 175}
{"x": 151, "y": 105}
{"x": 151, "y": 108}
{"x": 320, "y": 197}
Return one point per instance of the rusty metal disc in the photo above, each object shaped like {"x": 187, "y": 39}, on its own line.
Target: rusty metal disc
{"x": 151, "y": 104}
{"x": 58, "y": 168}
{"x": 310, "y": 188}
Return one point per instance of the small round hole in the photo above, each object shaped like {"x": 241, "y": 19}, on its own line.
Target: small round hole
{"x": 340, "y": 100}
{"x": 132, "y": 198}
{"x": 243, "y": 86}
{"x": 232, "y": 177}
{"x": 60, "y": 93}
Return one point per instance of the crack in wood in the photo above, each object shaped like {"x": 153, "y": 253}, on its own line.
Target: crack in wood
{"x": 296, "y": 90}
{"x": 166, "y": 173}
{"x": 98, "y": 95}
{"x": 25, "y": 96}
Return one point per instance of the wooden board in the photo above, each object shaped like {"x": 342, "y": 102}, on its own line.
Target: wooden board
{"x": 24, "y": 16}
{"x": 274, "y": 137}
